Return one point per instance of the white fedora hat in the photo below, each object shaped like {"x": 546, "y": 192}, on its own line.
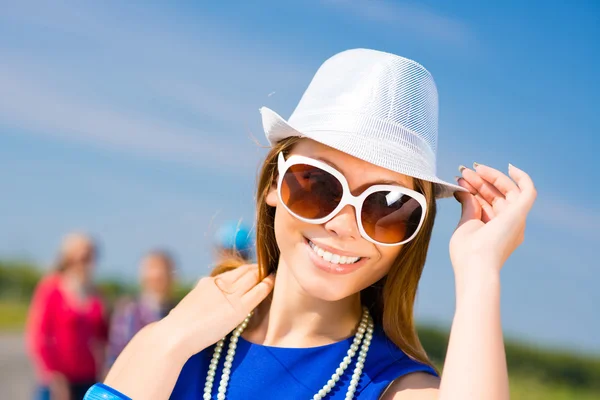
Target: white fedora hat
{"x": 376, "y": 106}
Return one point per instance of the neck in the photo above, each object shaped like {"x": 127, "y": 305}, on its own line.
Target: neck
{"x": 290, "y": 317}
{"x": 75, "y": 283}
{"x": 153, "y": 298}
{"x": 74, "y": 278}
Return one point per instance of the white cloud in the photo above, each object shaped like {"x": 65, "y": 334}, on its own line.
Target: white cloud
{"x": 36, "y": 108}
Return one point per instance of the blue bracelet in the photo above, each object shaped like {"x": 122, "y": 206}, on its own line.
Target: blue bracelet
{"x": 102, "y": 392}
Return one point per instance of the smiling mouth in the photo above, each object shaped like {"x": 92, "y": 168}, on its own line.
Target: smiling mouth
{"x": 332, "y": 257}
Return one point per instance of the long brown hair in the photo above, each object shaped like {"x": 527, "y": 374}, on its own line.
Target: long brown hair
{"x": 390, "y": 300}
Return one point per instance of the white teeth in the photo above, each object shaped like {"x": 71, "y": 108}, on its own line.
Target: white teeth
{"x": 331, "y": 257}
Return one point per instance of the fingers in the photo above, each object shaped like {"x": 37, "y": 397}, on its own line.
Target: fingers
{"x": 246, "y": 281}
{"x": 487, "y": 211}
{"x": 471, "y": 209}
{"x": 229, "y": 277}
{"x": 495, "y": 191}
{"x": 463, "y": 182}
{"x": 506, "y": 186}
{"x": 487, "y": 191}
{"x": 525, "y": 183}
{"x": 258, "y": 292}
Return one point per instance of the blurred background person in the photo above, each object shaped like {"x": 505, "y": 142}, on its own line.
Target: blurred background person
{"x": 232, "y": 243}
{"x": 154, "y": 302}
{"x": 66, "y": 330}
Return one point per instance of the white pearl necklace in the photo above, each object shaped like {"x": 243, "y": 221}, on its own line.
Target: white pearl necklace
{"x": 365, "y": 330}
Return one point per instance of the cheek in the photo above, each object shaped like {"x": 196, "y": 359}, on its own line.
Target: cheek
{"x": 387, "y": 256}
{"x": 287, "y": 229}
{"x": 163, "y": 283}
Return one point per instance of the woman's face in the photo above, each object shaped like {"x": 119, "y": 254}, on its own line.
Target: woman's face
{"x": 340, "y": 235}
{"x": 156, "y": 276}
{"x": 80, "y": 256}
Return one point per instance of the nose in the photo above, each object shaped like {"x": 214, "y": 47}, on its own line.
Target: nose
{"x": 344, "y": 224}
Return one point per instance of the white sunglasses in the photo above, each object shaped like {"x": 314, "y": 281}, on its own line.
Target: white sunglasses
{"x": 315, "y": 192}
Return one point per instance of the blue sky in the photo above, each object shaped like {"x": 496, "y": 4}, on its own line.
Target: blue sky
{"x": 139, "y": 124}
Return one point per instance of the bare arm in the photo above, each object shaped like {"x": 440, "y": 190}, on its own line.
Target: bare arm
{"x": 491, "y": 228}
{"x": 475, "y": 364}
{"x": 475, "y": 361}
{"x": 150, "y": 364}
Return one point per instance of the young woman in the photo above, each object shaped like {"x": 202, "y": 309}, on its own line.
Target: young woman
{"x": 154, "y": 302}
{"x": 66, "y": 332}
{"x": 345, "y": 209}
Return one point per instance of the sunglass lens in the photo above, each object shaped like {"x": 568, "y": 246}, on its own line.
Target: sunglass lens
{"x": 310, "y": 192}
{"x": 390, "y": 217}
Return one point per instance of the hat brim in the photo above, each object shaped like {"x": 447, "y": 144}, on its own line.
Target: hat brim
{"x": 277, "y": 128}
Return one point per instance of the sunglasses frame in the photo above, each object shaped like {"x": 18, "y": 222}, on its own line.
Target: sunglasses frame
{"x": 347, "y": 197}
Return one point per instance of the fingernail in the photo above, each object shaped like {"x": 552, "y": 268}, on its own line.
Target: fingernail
{"x": 510, "y": 166}
{"x": 475, "y": 165}
{"x": 456, "y": 178}
{"x": 461, "y": 168}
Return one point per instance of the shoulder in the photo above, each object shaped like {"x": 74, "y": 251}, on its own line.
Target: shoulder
{"x": 125, "y": 305}
{"x": 123, "y": 309}
{"x": 414, "y": 386}
{"x": 47, "y": 291}
{"x": 387, "y": 365}
{"x": 390, "y": 360}
{"x": 48, "y": 284}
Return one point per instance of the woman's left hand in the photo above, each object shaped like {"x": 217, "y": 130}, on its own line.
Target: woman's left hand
{"x": 492, "y": 224}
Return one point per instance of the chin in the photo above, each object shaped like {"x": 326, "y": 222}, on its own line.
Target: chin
{"x": 324, "y": 289}
{"x": 319, "y": 283}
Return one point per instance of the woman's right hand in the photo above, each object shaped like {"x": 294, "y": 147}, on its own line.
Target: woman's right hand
{"x": 214, "y": 307}
{"x": 151, "y": 362}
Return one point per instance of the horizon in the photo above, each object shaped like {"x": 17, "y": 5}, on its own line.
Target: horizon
{"x": 138, "y": 126}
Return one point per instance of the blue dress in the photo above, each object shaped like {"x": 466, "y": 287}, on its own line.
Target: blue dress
{"x": 294, "y": 373}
